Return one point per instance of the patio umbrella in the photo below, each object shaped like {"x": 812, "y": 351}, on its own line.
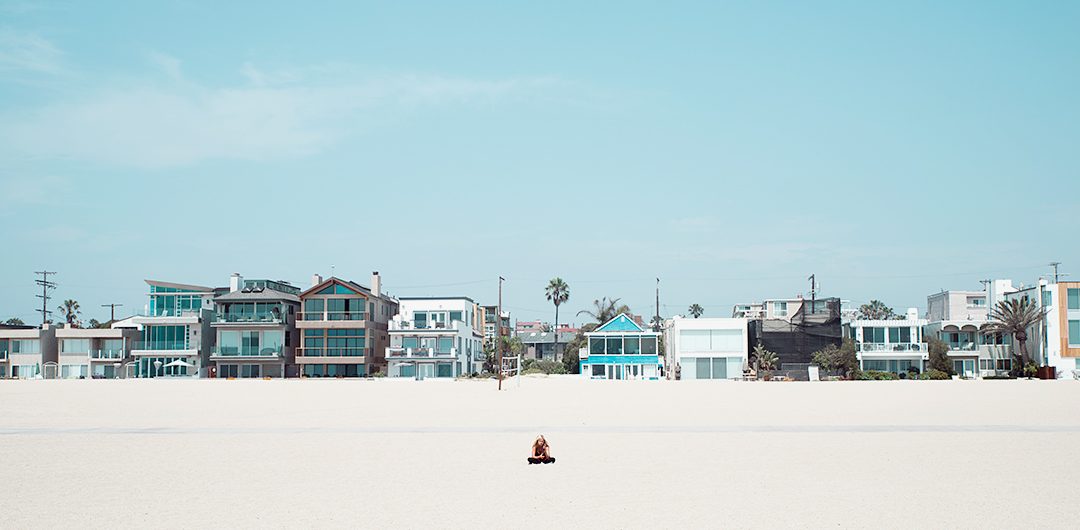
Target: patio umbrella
{"x": 179, "y": 363}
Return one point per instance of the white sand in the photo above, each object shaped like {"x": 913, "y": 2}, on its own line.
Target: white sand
{"x": 1000, "y": 454}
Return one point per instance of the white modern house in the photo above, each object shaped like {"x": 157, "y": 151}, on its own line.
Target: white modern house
{"x": 958, "y": 318}
{"x": 1056, "y": 340}
{"x": 435, "y": 337}
{"x": 706, "y": 348}
{"x": 93, "y": 353}
{"x": 895, "y": 346}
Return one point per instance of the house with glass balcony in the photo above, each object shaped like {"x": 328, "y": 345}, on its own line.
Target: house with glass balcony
{"x": 343, "y": 328}
{"x": 436, "y": 338}
{"x": 958, "y": 318}
{"x": 895, "y": 346}
{"x": 27, "y": 352}
{"x": 98, "y": 353}
{"x": 255, "y": 327}
{"x": 175, "y": 337}
{"x": 1056, "y": 340}
{"x": 621, "y": 349}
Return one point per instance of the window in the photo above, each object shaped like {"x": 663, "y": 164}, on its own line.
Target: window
{"x": 1047, "y": 298}
{"x": 445, "y": 344}
{"x": 874, "y": 335}
{"x": 409, "y": 342}
{"x": 599, "y": 370}
{"x": 313, "y": 309}
{"x": 1074, "y": 298}
{"x": 703, "y": 368}
{"x": 899, "y": 335}
{"x": 455, "y": 315}
{"x": 1074, "y": 333}
{"x": 75, "y": 346}
{"x": 632, "y": 346}
{"x": 596, "y": 346}
{"x": 614, "y": 345}
{"x": 780, "y": 309}
{"x": 648, "y": 345}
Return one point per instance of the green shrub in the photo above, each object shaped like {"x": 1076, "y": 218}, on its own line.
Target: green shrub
{"x": 936, "y": 375}
{"x": 874, "y": 375}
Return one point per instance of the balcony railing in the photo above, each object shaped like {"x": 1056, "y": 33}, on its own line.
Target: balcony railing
{"x": 171, "y": 313}
{"x": 963, "y": 346}
{"x": 269, "y": 318}
{"x": 163, "y": 345}
{"x": 331, "y": 316}
{"x": 108, "y": 354}
{"x": 902, "y": 347}
{"x": 398, "y": 325}
{"x": 331, "y": 352}
{"x": 420, "y": 352}
{"x": 233, "y": 351}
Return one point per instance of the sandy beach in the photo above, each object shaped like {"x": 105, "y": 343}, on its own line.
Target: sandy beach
{"x": 386, "y": 453}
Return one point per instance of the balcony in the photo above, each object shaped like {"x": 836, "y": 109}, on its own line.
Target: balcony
{"x": 402, "y": 325}
{"x": 963, "y": 346}
{"x": 331, "y": 352}
{"x": 233, "y": 352}
{"x": 247, "y": 318}
{"x": 163, "y": 345}
{"x": 901, "y": 347}
{"x": 106, "y": 354}
{"x": 399, "y": 353}
{"x": 325, "y": 316}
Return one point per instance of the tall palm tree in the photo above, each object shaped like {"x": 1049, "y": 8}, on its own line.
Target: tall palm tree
{"x": 696, "y": 310}
{"x": 604, "y": 309}
{"x": 1015, "y": 317}
{"x": 557, "y": 292}
{"x": 70, "y": 311}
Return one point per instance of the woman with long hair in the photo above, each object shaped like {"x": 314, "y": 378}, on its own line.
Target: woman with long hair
{"x": 541, "y": 452}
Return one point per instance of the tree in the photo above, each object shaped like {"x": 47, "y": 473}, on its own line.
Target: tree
{"x": 557, "y": 292}
{"x": 70, "y": 312}
{"x": 571, "y": 359}
{"x": 696, "y": 311}
{"x": 765, "y": 359}
{"x": 94, "y": 324}
{"x": 876, "y": 310}
{"x": 939, "y": 355}
{"x": 1015, "y": 317}
{"x": 605, "y": 309}
{"x": 15, "y": 321}
{"x": 842, "y": 359}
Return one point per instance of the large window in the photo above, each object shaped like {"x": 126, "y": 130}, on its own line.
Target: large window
{"x": 1074, "y": 298}
{"x": 1074, "y": 333}
{"x": 710, "y": 368}
{"x": 711, "y": 340}
{"x": 165, "y": 338}
{"x": 630, "y": 345}
{"x": 899, "y": 335}
{"x": 874, "y": 335}
{"x": 596, "y": 346}
{"x": 779, "y": 309}
{"x": 75, "y": 346}
{"x": 313, "y": 309}
{"x": 251, "y": 343}
{"x": 25, "y": 346}
{"x": 334, "y": 343}
{"x": 445, "y": 344}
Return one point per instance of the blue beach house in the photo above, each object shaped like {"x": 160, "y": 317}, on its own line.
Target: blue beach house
{"x": 621, "y": 349}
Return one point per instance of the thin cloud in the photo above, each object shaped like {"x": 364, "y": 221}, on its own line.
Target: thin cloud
{"x": 148, "y": 124}
{"x": 28, "y": 52}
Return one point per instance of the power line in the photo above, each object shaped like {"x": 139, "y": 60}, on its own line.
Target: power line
{"x": 44, "y": 296}
{"x": 112, "y": 310}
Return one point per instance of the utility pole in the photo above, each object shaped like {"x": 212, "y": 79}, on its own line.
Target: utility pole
{"x": 1055, "y": 264}
{"x": 112, "y": 310}
{"x": 813, "y": 290}
{"x": 498, "y": 334}
{"x": 44, "y": 296}
{"x": 656, "y": 319}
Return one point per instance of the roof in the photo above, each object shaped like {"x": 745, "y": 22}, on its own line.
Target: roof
{"x": 622, "y": 322}
{"x": 184, "y": 286}
{"x": 265, "y": 294}
{"x": 360, "y": 289}
{"x": 466, "y": 298}
{"x": 537, "y": 337}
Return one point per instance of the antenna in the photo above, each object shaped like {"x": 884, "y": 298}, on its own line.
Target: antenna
{"x": 1055, "y": 264}
{"x": 112, "y": 310}
{"x": 813, "y": 290}
{"x": 46, "y": 285}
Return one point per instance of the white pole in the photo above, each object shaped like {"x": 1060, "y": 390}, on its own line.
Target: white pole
{"x": 519, "y": 371}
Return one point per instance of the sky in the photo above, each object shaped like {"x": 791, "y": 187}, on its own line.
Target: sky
{"x": 731, "y": 149}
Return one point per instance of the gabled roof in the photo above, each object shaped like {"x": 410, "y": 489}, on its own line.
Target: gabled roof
{"x": 338, "y": 286}
{"x": 620, "y": 323}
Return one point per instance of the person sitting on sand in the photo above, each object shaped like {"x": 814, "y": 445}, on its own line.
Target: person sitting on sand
{"x": 541, "y": 452}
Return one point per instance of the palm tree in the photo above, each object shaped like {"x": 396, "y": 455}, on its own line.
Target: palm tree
{"x": 604, "y": 309}
{"x": 696, "y": 310}
{"x": 70, "y": 311}
{"x": 557, "y": 292}
{"x": 1015, "y": 317}
{"x": 765, "y": 359}
{"x": 876, "y": 310}
{"x": 15, "y": 321}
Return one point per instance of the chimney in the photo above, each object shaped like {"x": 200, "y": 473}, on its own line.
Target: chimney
{"x": 376, "y": 284}
{"x": 315, "y": 280}
{"x": 912, "y": 313}
{"x": 235, "y": 281}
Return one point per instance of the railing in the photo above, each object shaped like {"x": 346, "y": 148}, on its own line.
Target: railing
{"x": 331, "y": 315}
{"x": 171, "y": 313}
{"x": 878, "y": 347}
{"x": 107, "y": 354}
{"x": 234, "y": 351}
{"x": 331, "y": 352}
{"x": 163, "y": 345}
{"x": 254, "y": 318}
{"x": 966, "y": 346}
{"x": 408, "y": 324}
{"x": 420, "y": 352}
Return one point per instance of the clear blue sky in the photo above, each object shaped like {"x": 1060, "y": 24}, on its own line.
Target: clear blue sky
{"x": 730, "y": 148}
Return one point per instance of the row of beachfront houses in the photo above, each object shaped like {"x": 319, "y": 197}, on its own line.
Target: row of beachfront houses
{"x": 339, "y": 328}
{"x": 264, "y": 328}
